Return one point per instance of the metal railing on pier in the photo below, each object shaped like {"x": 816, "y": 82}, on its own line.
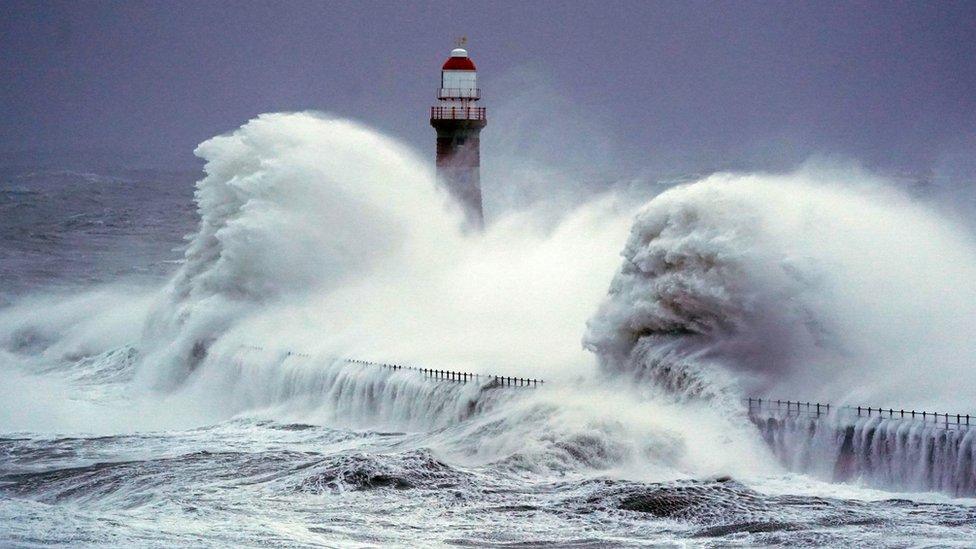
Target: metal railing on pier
{"x": 816, "y": 409}
{"x": 429, "y": 373}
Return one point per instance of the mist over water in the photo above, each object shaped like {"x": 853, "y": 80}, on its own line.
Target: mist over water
{"x": 323, "y": 237}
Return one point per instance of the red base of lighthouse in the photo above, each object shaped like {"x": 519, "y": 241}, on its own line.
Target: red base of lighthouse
{"x": 459, "y": 162}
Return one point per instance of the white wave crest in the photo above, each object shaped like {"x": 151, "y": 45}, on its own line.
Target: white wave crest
{"x": 822, "y": 284}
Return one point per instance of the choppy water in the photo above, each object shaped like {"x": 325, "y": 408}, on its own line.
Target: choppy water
{"x": 63, "y": 228}
{"x": 238, "y": 448}
{"x": 254, "y": 483}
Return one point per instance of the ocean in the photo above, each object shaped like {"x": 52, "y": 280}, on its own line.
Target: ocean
{"x": 175, "y": 345}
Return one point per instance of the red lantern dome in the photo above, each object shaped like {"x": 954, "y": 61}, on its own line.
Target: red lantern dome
{"x": 459, "y": 61}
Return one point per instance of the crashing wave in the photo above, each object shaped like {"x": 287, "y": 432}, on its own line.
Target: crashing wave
{"x": 820, "y": 284}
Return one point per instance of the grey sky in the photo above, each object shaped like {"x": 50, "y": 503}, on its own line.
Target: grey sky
{"x": 670, "y": 84}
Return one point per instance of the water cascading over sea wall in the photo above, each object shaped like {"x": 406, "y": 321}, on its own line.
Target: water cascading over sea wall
{"x": 894, "y": 449}
{"x": 887, "y": 448}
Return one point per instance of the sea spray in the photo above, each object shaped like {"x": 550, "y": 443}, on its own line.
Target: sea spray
{"x": 292, "y": 204}
{"x": 824, "y": 284}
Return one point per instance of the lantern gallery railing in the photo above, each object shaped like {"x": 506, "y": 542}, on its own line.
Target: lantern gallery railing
{"x": 457, "y": 113}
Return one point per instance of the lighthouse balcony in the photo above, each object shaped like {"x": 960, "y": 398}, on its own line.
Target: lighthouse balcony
{"x": 473, "y": 94}
{"x": 457, "y": 113}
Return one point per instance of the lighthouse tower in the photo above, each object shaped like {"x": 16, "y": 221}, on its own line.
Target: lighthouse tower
{"x": 458, "y": 122}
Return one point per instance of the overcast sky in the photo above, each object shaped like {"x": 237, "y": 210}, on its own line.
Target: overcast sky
{"x": 665, "y": 84}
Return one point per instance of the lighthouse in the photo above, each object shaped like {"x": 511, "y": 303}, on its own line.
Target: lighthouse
{"x": 458, "y": 121}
